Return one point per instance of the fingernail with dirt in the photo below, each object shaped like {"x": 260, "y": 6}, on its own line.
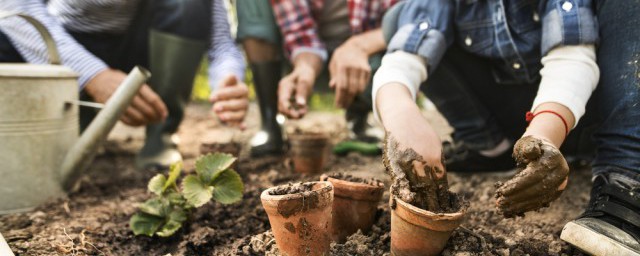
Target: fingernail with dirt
{"x": 424, "y": 212}
{"x": 300, "y": 217}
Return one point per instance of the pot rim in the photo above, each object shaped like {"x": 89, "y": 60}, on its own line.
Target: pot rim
{"x": 273, "y": 200}
{"x": 428, "y": 219}
{"x": 355, "y": 190}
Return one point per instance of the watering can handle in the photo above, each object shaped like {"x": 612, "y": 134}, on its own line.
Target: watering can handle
{"x": 52, "y": 49}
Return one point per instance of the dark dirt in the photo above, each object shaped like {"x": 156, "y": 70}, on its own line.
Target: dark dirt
{"x": 351, "y": 178}
{"x": 94, "y": 220}
{"x": 291, "y": 188}
{"x": 232, "y": 148}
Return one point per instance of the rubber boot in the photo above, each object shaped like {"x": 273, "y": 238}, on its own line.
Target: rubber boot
{"x": 267, "y": 141}
{"x": 174, "y": 62}
{"x": 360, "y": 129}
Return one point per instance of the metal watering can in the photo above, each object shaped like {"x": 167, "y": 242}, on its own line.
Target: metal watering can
{"x": 41, "y": 152}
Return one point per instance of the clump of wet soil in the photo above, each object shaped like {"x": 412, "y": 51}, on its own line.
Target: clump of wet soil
{"x": 351, "y": 178}
{"x": 232, "y": 148}
{"x": 291, "y": 188}
{"x": 415, "y": 182}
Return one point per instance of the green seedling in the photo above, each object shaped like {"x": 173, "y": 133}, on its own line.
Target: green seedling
{"x": 171, "y": 204}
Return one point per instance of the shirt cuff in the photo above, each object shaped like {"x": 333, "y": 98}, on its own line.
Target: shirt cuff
{"x": 322, "y": 52}
{"x": 569, "y": 76}
{"x": 420, "y": 39}
{"x": 399, "y": 67}
{"x": 87, "y": 68}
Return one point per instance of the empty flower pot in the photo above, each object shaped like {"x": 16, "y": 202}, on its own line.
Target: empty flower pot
{"x": 355, "y": 203}
{"x": 415, "y": 231}
{"x": 300, "y": 217}
{"x": 309, "y": 151}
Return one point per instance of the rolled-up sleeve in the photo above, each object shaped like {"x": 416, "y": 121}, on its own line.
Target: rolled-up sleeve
{"x": 424, "y": 28}
{"x": 224, "y": 56}
{"x": 567, "y": 22}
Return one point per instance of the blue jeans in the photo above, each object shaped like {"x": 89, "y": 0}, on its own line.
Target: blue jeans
{"x": 483, "y": 111}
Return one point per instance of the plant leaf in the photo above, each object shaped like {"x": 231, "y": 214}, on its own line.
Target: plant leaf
{"x": 153, "y": 206}
{"x": 145, "y": 224}
{"x": 174, "y": 172}
{"x": 210, "y": 165}
{"x": 156, "y": 184}
{"x": 228, "y": 187}
{"x": 178, "y": 214}
{"x": 169, "y": 228}
{"x": 175, "y": 198}
{"x": 195, "y": 191}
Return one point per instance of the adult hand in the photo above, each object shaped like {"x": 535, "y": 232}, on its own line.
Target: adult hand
{"x": 543, "y": 178}
{"x": 293, "y": 91}
{"x": 230, "y": 101}
{"x": 146, "y": 107}
{"x": 350, "y": 73}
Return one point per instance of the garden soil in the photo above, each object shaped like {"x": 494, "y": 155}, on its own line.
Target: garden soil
{"x": 94, "y": 220}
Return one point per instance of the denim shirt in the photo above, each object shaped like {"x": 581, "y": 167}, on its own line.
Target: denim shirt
{"x": 513, "y": 34}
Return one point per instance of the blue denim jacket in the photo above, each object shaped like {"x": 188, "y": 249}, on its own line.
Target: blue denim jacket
{"x": 515, "y": 34}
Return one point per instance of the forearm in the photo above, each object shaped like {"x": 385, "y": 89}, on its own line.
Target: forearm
{"x": 370, "y": 42}
{"x": 392, "y": 100}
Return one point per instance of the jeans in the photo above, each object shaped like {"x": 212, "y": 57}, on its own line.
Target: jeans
{"x": 484, "y": 112}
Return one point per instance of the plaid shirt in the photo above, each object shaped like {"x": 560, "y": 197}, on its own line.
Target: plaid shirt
{"x": 296, "y": 19}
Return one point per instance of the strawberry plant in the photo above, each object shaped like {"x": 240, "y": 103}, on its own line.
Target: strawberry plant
{"x": 164, "y": 213}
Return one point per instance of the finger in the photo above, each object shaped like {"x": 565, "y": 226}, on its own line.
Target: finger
{"x": 139, "y": 104}
{"x": 285, "y": 90}
{"x": 233, "y": 105}
{"x": 229, "y": 81}
{"x": 301, "y": 93}
{"x": 231, "y": 93}
{"x": 232, "y": 116}
{"x": 135, "y": 117}
{"x": 126, "y": 120}
{"x": 364, "y": 79}
{"x": 153, "y": 100}
{"x": 548, "y": 185}
{"x": 521, "y": 181}
{"x": 509, "y": 210}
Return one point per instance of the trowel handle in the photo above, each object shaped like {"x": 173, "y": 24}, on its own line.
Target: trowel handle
{"x": 81, "y": 154}
{"x": 52, "y": 50}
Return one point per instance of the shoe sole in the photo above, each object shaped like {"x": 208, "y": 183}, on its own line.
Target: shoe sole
{"x": 592, "y": 242}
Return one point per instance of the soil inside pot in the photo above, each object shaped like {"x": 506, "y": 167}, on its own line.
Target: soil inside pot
{"x": 232, "y": 148}
{"x": 351, "y": 178}
{"x": 291, "y": 188}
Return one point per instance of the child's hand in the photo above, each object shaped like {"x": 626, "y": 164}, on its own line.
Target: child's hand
{"x": 542, "y": 180}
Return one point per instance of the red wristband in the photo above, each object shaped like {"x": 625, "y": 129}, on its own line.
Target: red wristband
{"x": 530, "y": 116}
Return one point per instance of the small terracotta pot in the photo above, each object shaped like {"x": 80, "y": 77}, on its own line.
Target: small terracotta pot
{"x": 309, "y": 152}
{"x": 415, "y": 231}
{"x": 301, "y": 222}
{"x": 354, "y": 206}
{"x": 232, "y": 148}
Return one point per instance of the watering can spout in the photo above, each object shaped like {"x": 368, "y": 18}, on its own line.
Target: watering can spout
{"x": 80, "y": 155}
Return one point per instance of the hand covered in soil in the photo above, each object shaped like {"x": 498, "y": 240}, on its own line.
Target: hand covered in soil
{"x": 350, "y": 73}
{"x": 146, "y": 107}
{"x": 543, "y": 178}
{"x": 230, "y": 101}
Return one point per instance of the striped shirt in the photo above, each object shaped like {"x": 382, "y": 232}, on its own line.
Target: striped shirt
{"x": 104, "y": 16}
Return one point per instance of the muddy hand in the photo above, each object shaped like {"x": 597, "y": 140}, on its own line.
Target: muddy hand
{"x": 542, "y": 179}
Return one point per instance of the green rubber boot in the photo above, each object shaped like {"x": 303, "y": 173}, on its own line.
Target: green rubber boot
{"x": 173, "y": 62}
{"x": 267, "y": 141}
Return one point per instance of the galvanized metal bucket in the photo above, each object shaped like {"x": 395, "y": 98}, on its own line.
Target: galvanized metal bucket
{"x": 41, "y": 152}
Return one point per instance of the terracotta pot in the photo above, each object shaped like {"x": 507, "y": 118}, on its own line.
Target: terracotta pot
{"x": 232, "y": 148}
{"x": 309, "y": 152}
{"x": 415, "y": 231}
{"x": 354, "y": 206}
{"x": 301, "y": 222}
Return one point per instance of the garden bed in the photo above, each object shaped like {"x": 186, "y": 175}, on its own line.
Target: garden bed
{"x": 94, "y": 220}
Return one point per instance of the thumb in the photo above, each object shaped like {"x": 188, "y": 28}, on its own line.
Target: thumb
{"x": 527, "y": 149}
{"x": 229, "y": 81}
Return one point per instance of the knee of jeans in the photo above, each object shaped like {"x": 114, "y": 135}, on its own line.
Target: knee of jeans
{"x": 188, "y": 18}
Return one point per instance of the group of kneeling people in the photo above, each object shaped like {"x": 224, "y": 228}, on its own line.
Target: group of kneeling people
{"x": 551, "y": 81}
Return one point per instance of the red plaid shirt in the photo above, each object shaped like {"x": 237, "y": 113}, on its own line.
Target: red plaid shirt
{"x": 296, "y": 19}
